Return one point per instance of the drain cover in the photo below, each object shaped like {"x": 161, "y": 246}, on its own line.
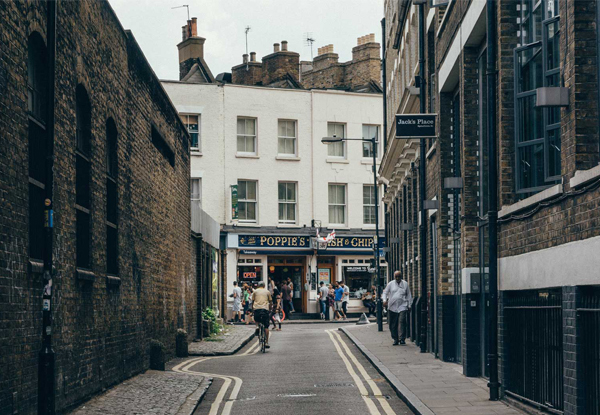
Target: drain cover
{"x": 334, "y": 385}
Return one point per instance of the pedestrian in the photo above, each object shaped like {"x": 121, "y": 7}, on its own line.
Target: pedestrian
{"x": 368, "y": 299}
{"x": 323, "y": 294}
{"x": 286, "y": 298}
{"x": 291, "y": 285}
{"x": 245, "y": 301}
{"x": 271, "y": 286}
{"x": 398, "y": 300}
{"x": 339, "y": 295}
{"x": 237, "y": 302}
{"x": 275, "y": 318}
{"x": 345, "y": 298}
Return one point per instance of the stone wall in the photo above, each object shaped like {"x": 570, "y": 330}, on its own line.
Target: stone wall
{"x": 100, "y": 330}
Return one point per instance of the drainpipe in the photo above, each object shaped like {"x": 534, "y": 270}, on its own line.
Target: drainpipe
{"x": 386, "y": 224}
{"x": 422, "y": 184}
{"x": 494, "y": 385}
{"x": 46, "y": 376}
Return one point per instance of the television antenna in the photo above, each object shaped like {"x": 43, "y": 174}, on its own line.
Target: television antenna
{"x": 187, "y": 6}
{"x": 248, "y": 28}
{"x": 308, "y": 41}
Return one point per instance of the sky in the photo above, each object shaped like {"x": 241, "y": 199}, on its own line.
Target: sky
{"x": 157, "y": 28}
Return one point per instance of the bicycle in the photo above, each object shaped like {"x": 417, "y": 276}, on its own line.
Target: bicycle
{"x": 262, "y": 337}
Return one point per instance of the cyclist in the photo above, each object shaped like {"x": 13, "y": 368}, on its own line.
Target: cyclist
{"x": 261, "y": 304}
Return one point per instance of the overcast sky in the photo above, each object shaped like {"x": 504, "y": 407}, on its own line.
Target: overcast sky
{"x": 157, "y": 27}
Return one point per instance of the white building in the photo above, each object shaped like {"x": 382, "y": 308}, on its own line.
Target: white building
{"x": 267, "y": 141}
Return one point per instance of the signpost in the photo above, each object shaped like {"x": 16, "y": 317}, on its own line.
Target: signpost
{"x": 234, "y": 201}
{"x": 415, "y": 125}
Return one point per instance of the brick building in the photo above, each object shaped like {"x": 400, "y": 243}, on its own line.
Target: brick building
{"x": 549, "y": 177}
{"x": 121, "y": 246}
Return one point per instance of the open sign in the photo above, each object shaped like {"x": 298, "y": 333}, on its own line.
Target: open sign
{"x": 249, "y": 275}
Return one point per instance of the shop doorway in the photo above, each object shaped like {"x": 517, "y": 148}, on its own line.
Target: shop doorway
{"x": 280, "y": 269}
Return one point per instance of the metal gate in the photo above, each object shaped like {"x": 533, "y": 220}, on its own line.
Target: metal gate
{"x": 588, "y": 313}
{"x": 534, "y": 352}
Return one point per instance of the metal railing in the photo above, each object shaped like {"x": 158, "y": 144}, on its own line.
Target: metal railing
{"x": 588, "y": 314}
{"x": 534, "y": 347}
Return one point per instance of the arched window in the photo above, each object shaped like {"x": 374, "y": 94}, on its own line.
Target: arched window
{"x": 37, "y": 86}
{"x": 112, "y": 217}
{"x": 83, "y": 183}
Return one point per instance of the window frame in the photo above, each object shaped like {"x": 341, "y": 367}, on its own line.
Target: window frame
{"x": 294, "y": 138}
{"x": 344, "y": 155}
{"x": 370, "y": 144}
{"x": 345, "y": 204}
{"x": 255, "y": 201}
{"x": 370, "y": 205}
{"x": 255, "y": 136}
{"x": 199, "y": 198}
{"x": 287, "y": 202}
{"x": 198, "y": 146}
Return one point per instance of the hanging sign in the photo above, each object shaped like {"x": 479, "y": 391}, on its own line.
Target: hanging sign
{"x": 415, "y": 125}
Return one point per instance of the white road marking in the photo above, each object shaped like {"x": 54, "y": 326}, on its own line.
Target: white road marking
{"x": 299, "y": 395}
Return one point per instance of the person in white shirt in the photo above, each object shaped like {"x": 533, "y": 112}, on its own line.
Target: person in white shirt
{"x": 237, "y": 302}
{"x": 398, "y": 300}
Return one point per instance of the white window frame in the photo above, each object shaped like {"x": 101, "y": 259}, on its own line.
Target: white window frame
{"x": 369, "y": 205}
{"x": 255, "y": 201}
{"x": 288, "y": 202}
{"x": 365, "y": 143}
{"x": 286, "y": 137}
{"x": 198, "y": 197}
{"x": 186, "y": 122}
{"x": 344, "y": 155}
{"x": 255, "y": 136}
{"x": 345, "y": 204}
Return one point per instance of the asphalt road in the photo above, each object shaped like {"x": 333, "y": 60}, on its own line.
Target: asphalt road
{"x": 309, "y": 369}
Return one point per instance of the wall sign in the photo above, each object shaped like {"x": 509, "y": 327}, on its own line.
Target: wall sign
{"x": 273, "y": 241}
{"x": 349, "y": 242}
{"x": 415, "y": 125}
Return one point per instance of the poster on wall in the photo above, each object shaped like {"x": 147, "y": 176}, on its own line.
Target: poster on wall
{"x": 325, "y": 276}
{"x": 215, "y": 281}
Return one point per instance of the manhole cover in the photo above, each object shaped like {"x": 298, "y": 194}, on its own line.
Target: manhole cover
{"x": 335, "y": 385}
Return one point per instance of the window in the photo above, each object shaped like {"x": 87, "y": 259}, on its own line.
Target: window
{"x": 337, "y": 204}
{"x": 336, "y": 149}
{"x": 83, "y": 181}
{"x": 368, "y": 204}
{"x": 287, "y": 137}
{"x": 112, "y": 222}
{"x": 196, "y": 191}
{"x": 36, "y": 103}
{"x": 246, "y": 135}
{"x": 287, "y": 202}
{"x": 537, "y": 63}
{"x": 247, "y": 201}
{"x": 370, "y": 131}
{"x": 192, "y": 122}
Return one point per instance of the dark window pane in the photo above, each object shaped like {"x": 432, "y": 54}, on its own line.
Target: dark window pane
{"x": 112, "y": 244}
{"x": 37, "y": 152}
{"x": 111, "y": 201}
{"x": 552, "y": 46}
{"x": 36, "y": 222}
{"x": 83, "y": 239}
{"x": 111, "y": 148}
{"x": 554, "y": 152}
{"x": 37, "y": 77}
{"x": 83, "y": 118}
{"x": 530, "y": 68}
{"x": 82, "y": 179}
{"x": 531, "y": 120}
{"x": 531, "y": 159}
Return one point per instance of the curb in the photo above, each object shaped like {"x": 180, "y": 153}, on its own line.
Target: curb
{"x": 413, "y": 402}
{"x": 195, "y": 398}
{"x": 229, "y": 352}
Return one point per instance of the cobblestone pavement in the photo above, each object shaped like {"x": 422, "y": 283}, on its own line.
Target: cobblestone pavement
{"x": 435, "y": 386}
{"x": 153, "y": 392}
{"x": 228, "y": 342}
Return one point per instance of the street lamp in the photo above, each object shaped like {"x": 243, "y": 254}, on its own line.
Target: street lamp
{"x": 373, "y": 141}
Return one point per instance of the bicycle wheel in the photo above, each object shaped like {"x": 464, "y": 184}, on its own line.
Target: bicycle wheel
{"x": 263, "y": 339}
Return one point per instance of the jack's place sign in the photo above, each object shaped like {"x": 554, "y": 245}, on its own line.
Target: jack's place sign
{"x": 415, "y": 125}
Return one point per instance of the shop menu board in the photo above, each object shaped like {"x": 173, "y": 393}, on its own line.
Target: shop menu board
{"x": 325, "y": 275}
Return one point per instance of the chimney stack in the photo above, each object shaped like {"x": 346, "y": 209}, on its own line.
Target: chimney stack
{"x": 194, "y": 26}
{"x": 284, "y": 46}
{"x": 252, "y": 56}
{"x": 275, "y": 47}
{"x": 191, "y": 48}
{"x": 245, "y": 58}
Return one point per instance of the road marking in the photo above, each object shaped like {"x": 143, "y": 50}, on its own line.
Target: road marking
{"x": 361, "y": 387}
{"x": 298, "y": 395}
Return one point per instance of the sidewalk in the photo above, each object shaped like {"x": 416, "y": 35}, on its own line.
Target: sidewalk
{"x": 428, "y": 385}
{"x": 153, "y": 392}
{"x": 228, "y": 342}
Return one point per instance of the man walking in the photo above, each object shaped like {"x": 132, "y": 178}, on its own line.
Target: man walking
{"x": 323, "y": 293}
{"x": 345, "y": 298}
{"x": 337, "y": 306}
{"x": 398, "y": 300}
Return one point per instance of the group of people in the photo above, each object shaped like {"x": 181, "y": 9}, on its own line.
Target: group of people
{"x": 335, "y": 296}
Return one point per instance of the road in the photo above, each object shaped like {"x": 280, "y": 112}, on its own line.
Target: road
{"x": 309, "y": 369}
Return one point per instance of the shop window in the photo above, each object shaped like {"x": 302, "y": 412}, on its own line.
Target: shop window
{"x": 286, "y": 141}
{"x": 83, "y": 178}
{"x": 36, "y": 102}
{"x": 336, "y": 149}
{"x": 250, "y": 274}
{"x": 369, "y": 132}
{"x": 246, "y": 135}
{"x": 358, "y": 279}
{"x": 537, "y": 64}
{"x": 337, "y": 204}
{"x": 247, "y": 201}
{"x": 192, "y": 123}
{"x": 287, "y": 203}
{"x": 112, "y": 226}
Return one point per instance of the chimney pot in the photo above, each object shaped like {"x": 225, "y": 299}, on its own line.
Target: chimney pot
{"x": 245, "y": 58}
{"x": 189, "y": 29}
{"x": 284, "y": 45}
{"x": 252, "y": 56}
{"x": 194, "y": 26}
{"x": 183, "y": 33}
{"x": 275, "y": 47}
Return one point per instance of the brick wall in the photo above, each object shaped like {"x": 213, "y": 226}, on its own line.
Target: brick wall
{"x": 100, "y": 331}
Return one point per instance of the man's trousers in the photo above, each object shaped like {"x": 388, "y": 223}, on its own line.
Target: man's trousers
{"x": 397, "y": 323}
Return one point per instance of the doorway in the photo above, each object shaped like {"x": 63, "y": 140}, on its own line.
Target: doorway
{"x": 280, "y": 269}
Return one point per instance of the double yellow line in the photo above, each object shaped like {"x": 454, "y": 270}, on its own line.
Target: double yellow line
{"x": 376, "y": 392}
{"x": 185, "y": 367}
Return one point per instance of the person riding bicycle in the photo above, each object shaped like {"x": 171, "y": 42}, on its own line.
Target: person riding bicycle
{"x": 261, "y": 304}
